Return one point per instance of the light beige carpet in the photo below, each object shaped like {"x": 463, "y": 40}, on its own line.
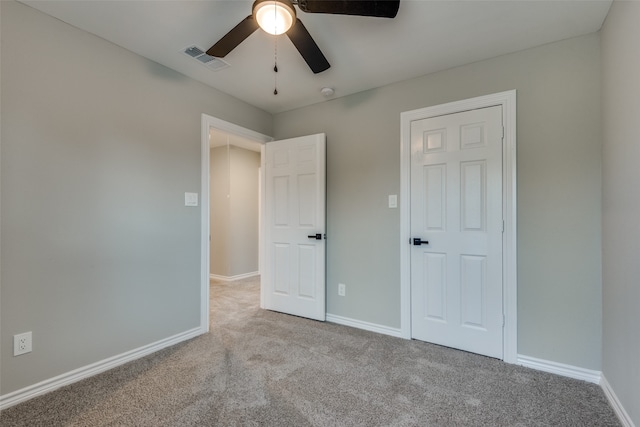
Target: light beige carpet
{"x": 260, "y": 368}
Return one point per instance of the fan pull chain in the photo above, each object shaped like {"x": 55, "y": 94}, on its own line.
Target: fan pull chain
{"x": 275, "y": 65}
{"x": 275, "y": 54}
{"x": 275, "y": 84}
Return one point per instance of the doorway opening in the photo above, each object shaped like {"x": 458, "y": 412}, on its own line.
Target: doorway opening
{"x": 234, "y": 206}
{"x": 235, "y": 150}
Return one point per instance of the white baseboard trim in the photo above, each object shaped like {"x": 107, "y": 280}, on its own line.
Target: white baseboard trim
{"x": 236, "y": 277}
{"x": 51, "y": 384}
{"x": 394, "y": 332}
{"x": 562, "y": 369}
{"x": 624, "y": 418}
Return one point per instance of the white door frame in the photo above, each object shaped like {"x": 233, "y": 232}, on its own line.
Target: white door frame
{"x": 209, "y": 122}
{"x": 509, "y": 259}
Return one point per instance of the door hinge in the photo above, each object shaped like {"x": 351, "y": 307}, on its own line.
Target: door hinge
{"x": 502, "y": 227}
{"x": 502, "y": 132}
{"x": 503, "y": 320}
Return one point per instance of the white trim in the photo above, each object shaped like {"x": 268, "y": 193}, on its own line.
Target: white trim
{"x": 205, "y": 150}
{"x": 359, "y": 324}
{"x": 261, "y": 224}
{"x": 615, "y": 403}
{"x": 234, "y": 278}
{"x": 214, "y": 122}
{"x": 510, "y": 302}
{"x": 54, "y": 383}
{"x": 562, "y": 369}
{"x": 207, "y": 123}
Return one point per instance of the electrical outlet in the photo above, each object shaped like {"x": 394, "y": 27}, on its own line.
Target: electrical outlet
{"x": 342, "y": 289}
{"x": 22, "y": 343}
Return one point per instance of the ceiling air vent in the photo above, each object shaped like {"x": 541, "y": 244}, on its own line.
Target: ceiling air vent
{"x": 210, "y": 62}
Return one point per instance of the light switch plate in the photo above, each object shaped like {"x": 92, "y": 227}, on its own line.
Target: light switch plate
{"x": 393, "y": 200}
{"x": 191, "y": 199}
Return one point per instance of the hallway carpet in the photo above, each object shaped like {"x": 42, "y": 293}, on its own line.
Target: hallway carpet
{"x": 260, "y": 368}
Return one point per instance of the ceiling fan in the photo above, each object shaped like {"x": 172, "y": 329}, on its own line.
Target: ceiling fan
{"x": 279, "y": 16}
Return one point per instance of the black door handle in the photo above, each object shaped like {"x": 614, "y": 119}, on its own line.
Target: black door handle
{"x": 316, "y": 236}
{"x": 418, "y": 241}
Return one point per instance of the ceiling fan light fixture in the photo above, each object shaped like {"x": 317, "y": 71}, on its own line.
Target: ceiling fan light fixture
{"x": 274, "y": 16}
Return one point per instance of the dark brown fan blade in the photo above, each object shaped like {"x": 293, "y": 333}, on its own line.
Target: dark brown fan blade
{"x": 379, "y": 8}
{"x": 307, "y": 47}
{"x": 233, "y": 38}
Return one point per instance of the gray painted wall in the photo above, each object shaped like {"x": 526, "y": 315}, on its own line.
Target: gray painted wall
{"x": 559, "y": 178}
{"x": 99, "y": 253}
{"x": 219, "y": 212}
{"x": 234, "y": 219}
{"x": 245, "y": 165}
{"x": 621, "y": 204}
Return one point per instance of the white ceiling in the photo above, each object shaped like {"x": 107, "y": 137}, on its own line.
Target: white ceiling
{"x": 364, "y": 53}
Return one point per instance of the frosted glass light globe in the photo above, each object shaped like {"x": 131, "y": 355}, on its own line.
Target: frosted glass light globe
{"x": 274, "y": 17}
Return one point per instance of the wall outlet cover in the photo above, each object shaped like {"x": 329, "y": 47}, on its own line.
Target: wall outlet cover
{"x": 342, "y": 289}
{"x": 22, "y": 343}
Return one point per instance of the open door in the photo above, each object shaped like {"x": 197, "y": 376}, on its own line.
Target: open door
{"x": 293, "y": 276}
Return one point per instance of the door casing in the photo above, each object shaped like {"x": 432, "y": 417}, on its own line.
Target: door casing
{"x": 507, "y": 100}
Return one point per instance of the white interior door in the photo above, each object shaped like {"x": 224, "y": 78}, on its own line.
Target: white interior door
{"x": 294, "y": 268}
{"x": 456, "y": 217}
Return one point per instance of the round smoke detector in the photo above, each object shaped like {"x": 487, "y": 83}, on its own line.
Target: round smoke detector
{"x": 327, "y": 92}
